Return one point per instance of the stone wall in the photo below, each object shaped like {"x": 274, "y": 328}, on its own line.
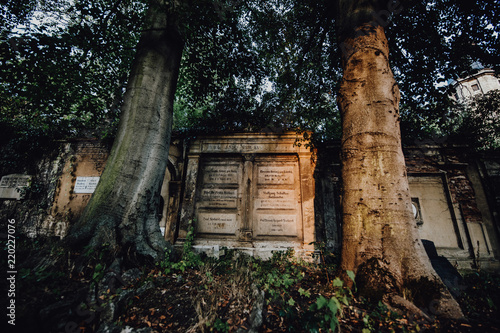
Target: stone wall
{"x": 470, "y": 236}
{"x": 50, "y": 204}
{"x": 33, "y": 207}
{"x": 251, "y": 190}
{"x": 254, "y": 192}
{"x": 80, "y": 174}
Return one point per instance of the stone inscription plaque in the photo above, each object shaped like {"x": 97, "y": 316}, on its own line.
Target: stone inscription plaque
{"x": 276, "y": 175}
{"x": 217, "y": 223}
{"x": 233, "y": 147}
{"x": 275, "y": 207}
{"x": 275, "y": 199}
{"x": 11, "y": 185}
{"x": 15, "y": 181}
{"x": 85, "y": 184}
{"x": 277, "y": 225}
{"x": 223, "y": 198}
{"x": 220, "y": 174}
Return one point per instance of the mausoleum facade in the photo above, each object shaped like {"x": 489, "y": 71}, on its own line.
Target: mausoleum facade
{"x": 251, "y": 192}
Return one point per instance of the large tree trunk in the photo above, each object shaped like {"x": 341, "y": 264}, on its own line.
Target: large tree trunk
{"x": 380, "y": 237}
{"x": 123, "y": 211}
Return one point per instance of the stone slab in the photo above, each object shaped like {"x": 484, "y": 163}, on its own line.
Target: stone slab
{"x": 275, "y": 199}
{"x": 276, "y": 225}
{"x": 276, "y": 175}
{"x": 218, "y": 198}
{"x": 217, "y": 223}
{"x": 220, "y": 174}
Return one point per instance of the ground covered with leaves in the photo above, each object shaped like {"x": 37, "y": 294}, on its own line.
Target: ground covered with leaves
{"x": 235, "y": 293}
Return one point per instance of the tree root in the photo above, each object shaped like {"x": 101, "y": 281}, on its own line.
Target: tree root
{"x": 445, "y": 306}
{"x": 400, "y": 305}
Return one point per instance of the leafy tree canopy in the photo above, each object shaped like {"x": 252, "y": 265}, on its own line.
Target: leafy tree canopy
{"x": 247, "y": 65}
{"x": 64, "y": 67}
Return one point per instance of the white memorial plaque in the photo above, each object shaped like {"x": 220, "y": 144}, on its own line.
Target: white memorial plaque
{"x": 275, "y": 199}
{"x": 217, "y": 223}
{"x": 277, "y": 225}
{"x": 85, "y": 184}
{"x": 220, "y": 174}
{"x": 275, "y": 175}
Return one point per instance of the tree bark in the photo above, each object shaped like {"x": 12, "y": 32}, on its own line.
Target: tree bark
{"x": 123, "y": 211}
{"x": 380, "y": 237}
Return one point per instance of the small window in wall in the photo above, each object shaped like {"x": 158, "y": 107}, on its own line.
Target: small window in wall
{"x": 415, "y": 203}
{"x": 475, "y": 87}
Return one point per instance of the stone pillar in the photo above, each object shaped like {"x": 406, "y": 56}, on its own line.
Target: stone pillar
{"x": 246, "y": 233}
{"x": 307, "y": 164}
{"x": 188, "y": 200}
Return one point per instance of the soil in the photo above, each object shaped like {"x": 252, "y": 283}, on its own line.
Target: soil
{"x": 219, "y": 296}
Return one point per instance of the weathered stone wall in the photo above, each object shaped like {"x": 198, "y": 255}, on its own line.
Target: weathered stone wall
{"x": 463, "y": 186}
{"x": 254, "y": 192}
{"x": 87, "y": 159}
{"x": 50, "y": 203}
{"x": 34, "y": 207}
{"x": 456, "y": 193}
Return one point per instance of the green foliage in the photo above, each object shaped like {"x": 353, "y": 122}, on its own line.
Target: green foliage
{"x": 189, "y": 258}
{"x": 332, "y": 307}
{"x": 480, "y": 293}
{"x": 257, "y": 65}
{"x": 97, "y": 261}
{"x": 284, "y": 70}
{"x": 379, "y": 314}
{"x": 325, "y": 312}
{"x": 475, "y": 123}
{"x": 277, "y": 275}
{"x": 98, "y": 273}
{"x": 305, "y": 293}
{"x": 40, "y": 274}
{"x": 425, "y": 56}
{"x": 39, "y": 262}
{"x": 64, "y": 70}
{"x": 264, "y": 65}
{"x": 218, "y": 326}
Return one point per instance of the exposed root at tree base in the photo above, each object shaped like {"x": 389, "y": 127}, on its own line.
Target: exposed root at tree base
{"x": 425, "y": 296}
{"x": 401, "y": 306}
